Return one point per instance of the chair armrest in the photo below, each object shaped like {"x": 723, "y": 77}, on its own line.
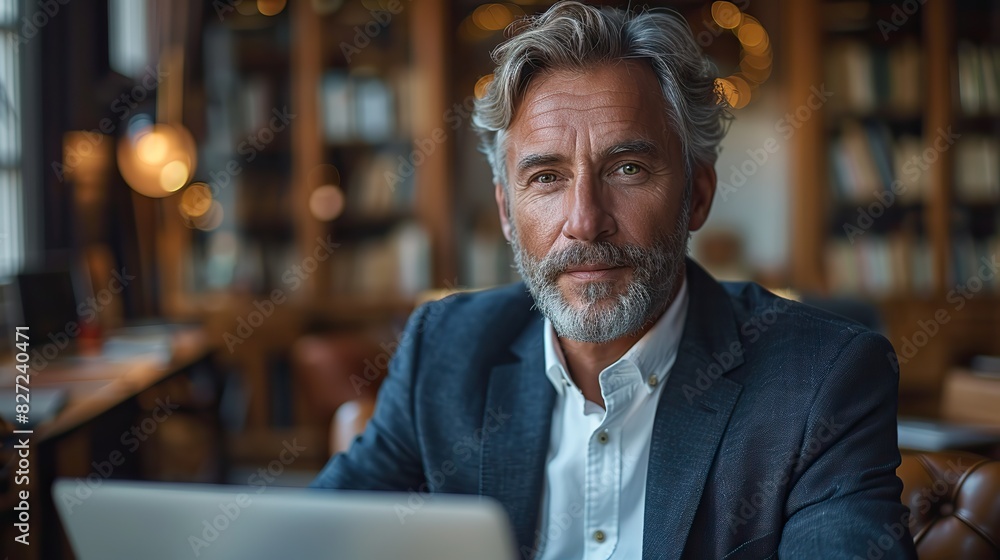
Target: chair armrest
{"x": 349, "y": 421}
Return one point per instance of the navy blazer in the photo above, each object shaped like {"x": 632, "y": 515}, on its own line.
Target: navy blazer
{"x": 775, "y": 435}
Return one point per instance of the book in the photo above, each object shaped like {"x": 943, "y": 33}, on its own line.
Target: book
{"x": 978, "y": 78}
{"x": 934, "y": 435}
{"x": 374, "y": 109}
{"x": 905, "y": 91}
{"x": 971, "y": 398}
{"x": 977, "y": 168}
{"x": 337, "y": 108}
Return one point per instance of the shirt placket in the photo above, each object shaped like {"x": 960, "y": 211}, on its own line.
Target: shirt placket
{"x": 603, "y": 478}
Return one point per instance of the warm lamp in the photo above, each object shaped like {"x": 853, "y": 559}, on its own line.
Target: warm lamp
{"x": 157, "y": 160}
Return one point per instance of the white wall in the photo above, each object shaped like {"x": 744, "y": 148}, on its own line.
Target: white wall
{"x": 757, "y": 211}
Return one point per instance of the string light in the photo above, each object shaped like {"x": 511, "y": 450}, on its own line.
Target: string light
{"x": 755, "y": 54}
{"x": 487, "y": 19}
{"x": 726, "y": 15}
{"x": 481, "y": 85}
{"x": 728, "y": 90}
{"x": 743, "y": 91}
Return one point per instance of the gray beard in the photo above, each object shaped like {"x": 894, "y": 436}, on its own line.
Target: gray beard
{"x": 604, "y": 315}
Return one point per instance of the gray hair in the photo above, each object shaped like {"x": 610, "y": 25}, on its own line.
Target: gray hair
{"x": 574, "y": 36}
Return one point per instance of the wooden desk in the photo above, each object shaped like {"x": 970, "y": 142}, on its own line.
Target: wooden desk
{"x": 104, "y": 398}
{"x": 96, "y": 385}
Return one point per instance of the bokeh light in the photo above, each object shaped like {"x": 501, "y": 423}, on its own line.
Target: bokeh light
{"x": 726, "y": 15}
{"x": 755, "y": 54}
{"x": 492, "y": 17}
{"x": 174, "y": 175}
{"x": 326, "y": 203}
{"x": 270, "y": 7}
{"x": 247, "y": 7}
{"x": 152, "y": 148}
{"x": 211, "y": 219}
{"x": 196, "y": 200}
{"x": 751, "y": 33}
{"x": 156, "y": 160}
{"x": 754, "y": 71}
{"x": 729, "y": 92}
{"x": 481, "y": 85}
{"x": 743, "y": 91}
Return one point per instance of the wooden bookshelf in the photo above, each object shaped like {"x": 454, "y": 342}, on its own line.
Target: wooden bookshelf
{"x": 253, "y": 63}
{"x": 240, "y": 67}
{"x": 408, "y": 57}
{"x": 941, "y": 218}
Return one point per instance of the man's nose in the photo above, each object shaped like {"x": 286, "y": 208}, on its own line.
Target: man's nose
{"x": 587, "y": 215}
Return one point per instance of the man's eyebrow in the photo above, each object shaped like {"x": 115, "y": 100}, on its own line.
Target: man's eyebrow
{"x": 535, "y": 160}
{"x": 631, "y": 147}
{"x": 628, "y": 147}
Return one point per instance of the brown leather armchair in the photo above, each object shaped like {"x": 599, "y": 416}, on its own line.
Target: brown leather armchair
{"x": 954, "y": 501}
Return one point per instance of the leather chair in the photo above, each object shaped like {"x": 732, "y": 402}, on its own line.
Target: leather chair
{"x": 954, "y": 501}
{"x": 338, "y": 375}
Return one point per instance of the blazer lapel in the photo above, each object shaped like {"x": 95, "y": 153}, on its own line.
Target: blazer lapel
{"x": 691, "y": 416}
{"x": 519, "y": 401}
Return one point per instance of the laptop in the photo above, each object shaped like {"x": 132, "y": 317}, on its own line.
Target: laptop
{"x": 122, "y": 520}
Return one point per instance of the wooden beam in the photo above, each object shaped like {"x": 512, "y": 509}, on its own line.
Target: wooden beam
{"x": 807, "y": 161}
{"x": 434, "y": 177}
{"x": 938, "y": 51}
{"x": 307, "y": 142}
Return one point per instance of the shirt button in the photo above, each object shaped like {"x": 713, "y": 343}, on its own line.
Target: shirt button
{"x": 599, "y": 536}
{"x": 603, "y": 437}
{"x": 653, "y": 380}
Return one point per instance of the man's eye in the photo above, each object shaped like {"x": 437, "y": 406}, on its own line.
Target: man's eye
{"x": 630, "y": 169}
{"x": 546, "y": 178}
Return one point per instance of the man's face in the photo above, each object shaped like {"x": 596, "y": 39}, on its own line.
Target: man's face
{"x": 599, "y": 221}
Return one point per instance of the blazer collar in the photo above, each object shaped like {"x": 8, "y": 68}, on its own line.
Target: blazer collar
{"x": 512, "y": 464}
{"x": 691, "y": 416}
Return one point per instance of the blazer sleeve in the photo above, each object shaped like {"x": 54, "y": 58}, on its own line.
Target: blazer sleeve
{"x": 845, "y": 501}
{"x": 387, "y": 455}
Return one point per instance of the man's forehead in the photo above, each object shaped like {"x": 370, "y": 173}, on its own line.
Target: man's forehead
{"x": 600, "y": 136}
{"x": 617, "y": 100}
{"x": 626, "y": 85}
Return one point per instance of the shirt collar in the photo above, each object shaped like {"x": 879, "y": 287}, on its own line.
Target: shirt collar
{"x": 653, "y": 354}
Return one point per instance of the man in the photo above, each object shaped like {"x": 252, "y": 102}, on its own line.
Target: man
{"x": 621, "y": 403}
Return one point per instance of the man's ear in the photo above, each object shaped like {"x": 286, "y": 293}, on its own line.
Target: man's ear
{"x": 502, "y": 207}
{"x": 702, "y": 194}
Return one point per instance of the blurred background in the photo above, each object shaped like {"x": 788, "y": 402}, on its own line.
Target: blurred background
{"x": 216, "y": 216}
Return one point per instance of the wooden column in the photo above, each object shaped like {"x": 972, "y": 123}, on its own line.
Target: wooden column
{"x": 430, "y": 36}
{"x": 938, "y": 51}
{"x": 307, "y": 142}
{"x": 807, "y": 164}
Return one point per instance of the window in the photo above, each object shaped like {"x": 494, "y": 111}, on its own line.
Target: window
{"x": 11, "y": 183}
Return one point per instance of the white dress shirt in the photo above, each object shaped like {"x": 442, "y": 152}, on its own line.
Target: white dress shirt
{"x": 595, "y": 474}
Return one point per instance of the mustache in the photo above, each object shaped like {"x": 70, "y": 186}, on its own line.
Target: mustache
{"x": 602, "y": 253}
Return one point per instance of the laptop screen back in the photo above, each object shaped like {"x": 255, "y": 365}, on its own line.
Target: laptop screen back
{"x": 48, "y": 303}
